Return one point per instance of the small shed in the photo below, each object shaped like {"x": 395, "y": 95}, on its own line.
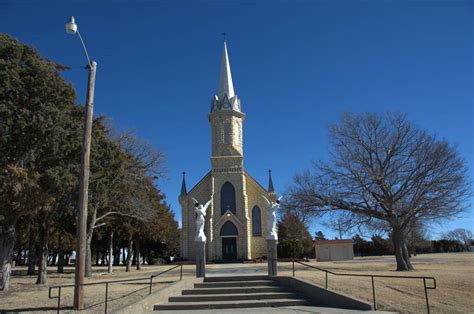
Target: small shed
{"x": 334, "y": 250}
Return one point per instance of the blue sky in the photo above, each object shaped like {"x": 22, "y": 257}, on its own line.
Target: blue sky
{"x": 296, "y": 65}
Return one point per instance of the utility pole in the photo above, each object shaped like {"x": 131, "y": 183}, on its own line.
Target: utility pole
{"x": 84, "y": 191}
{"x": 71, "y": 28}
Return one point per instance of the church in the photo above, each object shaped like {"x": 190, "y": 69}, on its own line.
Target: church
{"x": 235, "y": 219}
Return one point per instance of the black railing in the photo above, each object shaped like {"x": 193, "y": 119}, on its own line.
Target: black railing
{"x": 373, "y": 283}
{"x": 106, "y": 283}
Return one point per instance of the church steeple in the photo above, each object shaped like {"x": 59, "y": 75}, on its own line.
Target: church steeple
{"x": 226, "y": 86}
{"x": 225, "y": 98}
{"x": 226, "y": 121}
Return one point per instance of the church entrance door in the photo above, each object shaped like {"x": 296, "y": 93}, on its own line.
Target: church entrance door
{"x": 229, "y": 248}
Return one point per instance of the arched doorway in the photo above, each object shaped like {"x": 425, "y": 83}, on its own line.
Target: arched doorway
{"x": 229, "y": 235}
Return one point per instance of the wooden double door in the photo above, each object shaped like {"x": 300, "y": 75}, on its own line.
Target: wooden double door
{"x": 229, "y": 249}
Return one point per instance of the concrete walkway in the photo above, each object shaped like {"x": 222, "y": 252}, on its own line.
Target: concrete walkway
{"x": 222, "y": 270}
{"x": 278, "y": 310}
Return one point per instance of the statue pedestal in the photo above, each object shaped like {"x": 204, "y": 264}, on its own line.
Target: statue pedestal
{"x": 272, "y": 257}
{"x": 200, "y": 259}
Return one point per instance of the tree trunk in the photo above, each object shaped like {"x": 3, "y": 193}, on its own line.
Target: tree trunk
{"x": 129, "y": 255}
{"x": 398, "y": 243}
{"x": 43, "y": 251}
{"x": 124, "y": 257}
{"x": 97, "y": 257}
{"x": 88, "y": 271}
{"x": 31, "y": 262}
{"x": 137, "y": 254}
{"x": 18, "y": 257}
{"x": 7, "y": 242}
{"x": 116, "y": 256}
{"x": 53, "y": 259}
{"x": 406, "y": 257}
{"x": 60, "y": 256}
{"x": 111, "y": 251}
{"x": 31, "y": 253}
{"x": 60, "y": 261}
{"x": 90, "y": 232}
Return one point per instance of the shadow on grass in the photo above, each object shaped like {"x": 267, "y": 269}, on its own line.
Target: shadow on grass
{"x": 122, "y": 296}
{"x": 24, "y": 273}
{"x": 31, "y": 309}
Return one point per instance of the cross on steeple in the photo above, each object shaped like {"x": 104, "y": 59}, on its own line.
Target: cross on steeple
{"x": 225, "y": 36}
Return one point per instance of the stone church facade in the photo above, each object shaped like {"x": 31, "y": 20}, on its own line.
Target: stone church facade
{"x": 236, "y": 218}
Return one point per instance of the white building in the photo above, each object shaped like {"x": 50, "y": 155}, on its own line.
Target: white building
{"x": 334, "y": 250}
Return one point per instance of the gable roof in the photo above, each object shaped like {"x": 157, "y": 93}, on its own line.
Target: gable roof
{"x": 200, "y": 182}
{"x": 329, "y": 242}
{"x": 255, "y": 181}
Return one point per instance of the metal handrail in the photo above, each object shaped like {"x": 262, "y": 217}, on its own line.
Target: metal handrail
{"x": 424, "y": 278}
{"x": 59, "y": 287}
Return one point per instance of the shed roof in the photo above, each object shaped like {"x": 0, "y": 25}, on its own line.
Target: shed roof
{"x": 330, "y": 242}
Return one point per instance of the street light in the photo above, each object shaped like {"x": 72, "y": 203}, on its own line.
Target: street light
{"x": 71, "y": 28}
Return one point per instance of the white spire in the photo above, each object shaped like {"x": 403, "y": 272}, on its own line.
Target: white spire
{"x": 225, "y": 80}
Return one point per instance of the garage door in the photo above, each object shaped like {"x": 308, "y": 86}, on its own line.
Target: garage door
{"x": 324, "y": 254}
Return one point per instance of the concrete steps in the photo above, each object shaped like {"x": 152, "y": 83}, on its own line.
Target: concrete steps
{"x": 231, "y": 297}
{"x": 229, "y": 304}
{"x": 233, "y": 293}
{"x": 259, "y": 289}
{"x": 235, "y": 278}
{"x": 236, "y": 284}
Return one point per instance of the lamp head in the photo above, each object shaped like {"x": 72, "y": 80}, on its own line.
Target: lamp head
{"x": 71, "y": 26}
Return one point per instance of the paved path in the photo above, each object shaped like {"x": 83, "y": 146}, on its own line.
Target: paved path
{"x": 279, "y": 310}
{"x": 237, "y": 269}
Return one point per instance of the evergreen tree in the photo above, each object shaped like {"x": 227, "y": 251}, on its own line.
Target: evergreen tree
{"x": 319, "y": 235}
{"x": 290, "y": 227}
{"x": 36, "y": 114}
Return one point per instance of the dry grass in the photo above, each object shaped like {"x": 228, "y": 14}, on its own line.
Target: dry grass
{"x": 25, "y": 296}
{"x": 454, "y": 274}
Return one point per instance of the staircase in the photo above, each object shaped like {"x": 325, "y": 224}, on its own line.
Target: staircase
{"x": 233, "y": 292}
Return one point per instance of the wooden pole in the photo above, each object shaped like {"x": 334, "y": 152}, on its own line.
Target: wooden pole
{"x": 84, "y": 192}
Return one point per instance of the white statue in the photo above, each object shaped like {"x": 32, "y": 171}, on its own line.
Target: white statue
{"x": 200, "y": 221}
{"x": 272, "y": 231}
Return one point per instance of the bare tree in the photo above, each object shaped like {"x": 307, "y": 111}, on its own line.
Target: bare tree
{"x": 461, "y": 235}
{"x": 417, "y": 238}
{"x": 388, "y": 173}
{"x": 141, "y": 163}
{"x": 340, "y": 222}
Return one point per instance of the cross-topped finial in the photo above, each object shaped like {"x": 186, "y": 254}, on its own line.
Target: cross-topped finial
{"x": 225, "y": 36}
{"x": 270, "y": 182}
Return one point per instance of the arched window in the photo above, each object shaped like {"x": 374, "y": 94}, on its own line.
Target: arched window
{"x": 256, "y": 222}
{"x": 227, "y": 198}
{"x": 229, "y": 229}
